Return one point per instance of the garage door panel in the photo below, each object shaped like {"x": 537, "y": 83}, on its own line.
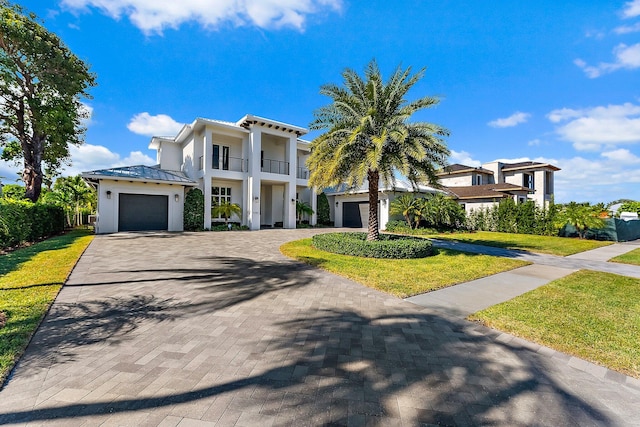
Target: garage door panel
{"x": 351, "y": 214}
{"x": 143, "y": 212}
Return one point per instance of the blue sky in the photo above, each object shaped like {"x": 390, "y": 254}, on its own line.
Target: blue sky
{"x": 552, "y": 81}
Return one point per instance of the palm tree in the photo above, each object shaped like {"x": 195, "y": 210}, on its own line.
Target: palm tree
{"x": 369, "y": 135}
{"x": 226, "y": 210}
{"x": 405, "y": 205}
{"x": 581, "y": 216}
{"x": 302, "y": 209}
{"x": 74, "y": 194}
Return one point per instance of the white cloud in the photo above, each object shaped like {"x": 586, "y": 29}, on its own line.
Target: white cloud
{"x": 626, "y": 57}
{"x": 87, "y": 157}
{"x": 622, "y": 156}
{"x": 153, "y": 16}
{"x": 534, "y": 143}
{"x": 626, "y": 29}
{"x": 591, "y": 128}
{"x": 463, "y": 158}
{"x": 513, "y": 120}
{"x": 632, "y": 9}
{"x": 159, "y": 125}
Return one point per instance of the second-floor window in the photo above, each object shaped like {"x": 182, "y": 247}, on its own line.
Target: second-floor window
{"x": 220, "y": 162}
{"x": 527, "y": 180}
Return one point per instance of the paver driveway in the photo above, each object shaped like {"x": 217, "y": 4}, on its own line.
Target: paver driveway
{"x": 220, "y": 329}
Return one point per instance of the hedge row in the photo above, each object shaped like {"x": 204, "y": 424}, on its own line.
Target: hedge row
{"x": 389, "y": 246}
{"x": 23, "y": 221}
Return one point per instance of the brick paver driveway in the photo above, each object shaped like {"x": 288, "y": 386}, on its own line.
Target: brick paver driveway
{"x": 220, "y": 329}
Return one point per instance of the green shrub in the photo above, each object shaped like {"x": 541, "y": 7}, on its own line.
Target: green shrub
{"x": 23, "y": 221}
{"x": 397, "y": 226}
{"x": 193, "y": 210}
{"x": 324, "y": 216}
{"x": 389, "y": 246}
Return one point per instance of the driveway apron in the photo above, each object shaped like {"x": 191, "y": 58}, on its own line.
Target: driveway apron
{"x": 220, "y": 329}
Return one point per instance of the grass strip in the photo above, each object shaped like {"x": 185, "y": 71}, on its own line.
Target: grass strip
{"x": 592, "y": 315}
{"x": 403, "y": 277}
{"x": 632, "y": 258}
{"x": 552, "y": 245}
{"x": 30, "y": 279}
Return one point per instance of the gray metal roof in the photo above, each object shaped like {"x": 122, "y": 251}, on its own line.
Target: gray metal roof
{"x": 140, "y": 173}
{"x": 400, "y": 186}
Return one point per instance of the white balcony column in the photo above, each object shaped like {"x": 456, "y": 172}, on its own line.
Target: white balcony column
{"x": 207, "y": 203}
{"x": 291, "y": 156}
{"x": 254, "y": 197}
{"x": 314, "y": 206}
{"x": 207, "y": 152}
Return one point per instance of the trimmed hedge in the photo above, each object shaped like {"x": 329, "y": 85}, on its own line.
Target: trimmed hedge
{"x": 389, "y": 246}
{"x": 23, "y": 221}
{"x": 193, "y": 219}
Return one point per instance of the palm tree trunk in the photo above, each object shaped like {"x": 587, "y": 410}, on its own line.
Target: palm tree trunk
{"x": 373, "y": 232}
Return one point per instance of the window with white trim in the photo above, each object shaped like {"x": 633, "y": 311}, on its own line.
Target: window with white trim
{"x": 218, "y": 196}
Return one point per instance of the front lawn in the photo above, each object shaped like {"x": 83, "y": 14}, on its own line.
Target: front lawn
{"x": 30, "y": 279}
{"x": 632, "y": 258}
{"x": 591, "y": 315}
{"x": 403, "y": 277}
{"x": 552, "y": 245}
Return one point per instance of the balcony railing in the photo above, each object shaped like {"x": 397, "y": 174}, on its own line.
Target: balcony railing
{"x": 303, "y": 173}
{"x": 230, "y": 164}
{"x": 275, "y": 166}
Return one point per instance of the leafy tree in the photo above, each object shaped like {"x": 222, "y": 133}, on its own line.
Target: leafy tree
{"x": 629, "y": 206}
{"x": 193, "y": 218}
{"x": 226, "y": 210}
{"x": 324, "y": 211}
{"x": 581, "y": 216}
{"x": 302, "y": 209}
{"x": 41, "y": 84}
{"x": 75, "y": 196}
{"x": 369, "y": 136}
{"x": 440, "y": 211}
{"x": 407, "y": 206}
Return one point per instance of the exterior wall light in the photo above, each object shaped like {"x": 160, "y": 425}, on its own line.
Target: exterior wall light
{"x": 177, "y": 197}
{"x": 293, "y": 200}
{"x": 108, "y": 194}
{"x": 255, "y": 199}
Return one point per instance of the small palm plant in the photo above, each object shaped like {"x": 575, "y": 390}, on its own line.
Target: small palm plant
{"x": 302, "y": 209}
{"x": 226, "y": 210}
{"x": 581, "y": 216}
{"x": 407, "y": 206}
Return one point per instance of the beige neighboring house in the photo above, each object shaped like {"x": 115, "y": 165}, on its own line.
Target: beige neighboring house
{"x": 484, "y": 186}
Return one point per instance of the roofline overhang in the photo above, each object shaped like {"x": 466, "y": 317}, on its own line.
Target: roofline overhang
{"x": 537, "y": 166}
{"x": 474, "y": 170}
{"x": 90, "y": 178}
{"x": 250, "y": 119}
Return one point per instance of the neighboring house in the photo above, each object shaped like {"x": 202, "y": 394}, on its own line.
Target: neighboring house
{"x": 350, "y": 207}
{"x": 478, "y": 187}
{"x": 255, "y": 162}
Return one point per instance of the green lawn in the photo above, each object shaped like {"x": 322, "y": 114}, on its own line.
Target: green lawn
{"x": 632, "y": 257}
{"x": 30, "y": 279}
{"x": 592, "y": 315}
{"x": 404, "y": 277}
{"x": 561, "y": 246}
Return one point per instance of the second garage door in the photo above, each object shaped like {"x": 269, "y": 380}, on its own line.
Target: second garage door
{"x": 355, "y": 214}
{"x": 143, "y": 212}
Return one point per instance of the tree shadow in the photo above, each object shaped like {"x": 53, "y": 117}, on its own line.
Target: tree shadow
{"x": 399, "y": 367}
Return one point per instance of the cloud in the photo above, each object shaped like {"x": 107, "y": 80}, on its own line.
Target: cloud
{"x": 148, "y": 125}
{"x": 626, "y": 57}
{"x": 155, "y": 16}
{"x": 632, "y": 9}
{"x": 591, "y": 128}
{"x": 87, "y": 157}
{"x": 464, "y": 158}
{"x": 626, "y": 29}
{"x": 534, "y": 143}
{"x": 513, "y": 120}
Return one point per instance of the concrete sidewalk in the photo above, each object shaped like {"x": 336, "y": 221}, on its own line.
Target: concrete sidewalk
{"x": 466, "y": 298}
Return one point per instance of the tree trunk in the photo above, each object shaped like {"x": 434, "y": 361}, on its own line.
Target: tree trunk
{"x": 373, "y": 232}
{"x": 32, "y": 173}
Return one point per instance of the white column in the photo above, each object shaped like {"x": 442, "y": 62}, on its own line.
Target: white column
{"x": 291, "y": 153}
{"x": 207, "y": 152}
{"x": 314, "y": 206}
{"x": 253, "y": 208}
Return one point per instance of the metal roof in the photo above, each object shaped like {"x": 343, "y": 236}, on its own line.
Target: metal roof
{"x": 140, "y": 173}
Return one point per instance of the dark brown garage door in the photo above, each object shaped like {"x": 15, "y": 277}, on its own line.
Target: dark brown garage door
{"x": 142, "y": 212}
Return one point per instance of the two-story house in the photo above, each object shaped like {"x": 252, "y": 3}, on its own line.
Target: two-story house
{"x": 479, "y": 187}
{"x": 255, "y": 162}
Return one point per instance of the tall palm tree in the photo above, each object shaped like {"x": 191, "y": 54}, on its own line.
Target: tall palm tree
{"x": 369, "y": 136}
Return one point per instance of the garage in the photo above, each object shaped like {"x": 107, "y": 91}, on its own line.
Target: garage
{"x": 143, "y": 212}
{"x": 355, "y": 214}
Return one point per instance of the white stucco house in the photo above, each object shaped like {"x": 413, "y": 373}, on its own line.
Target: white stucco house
{"x": 480, "y": 187}
{"x": 255, "y": 162}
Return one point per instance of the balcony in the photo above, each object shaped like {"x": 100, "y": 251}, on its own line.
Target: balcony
{"x": 302, "y": 173}
{"x": 234, "y": 164}
{"x": 275, "y": 166}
